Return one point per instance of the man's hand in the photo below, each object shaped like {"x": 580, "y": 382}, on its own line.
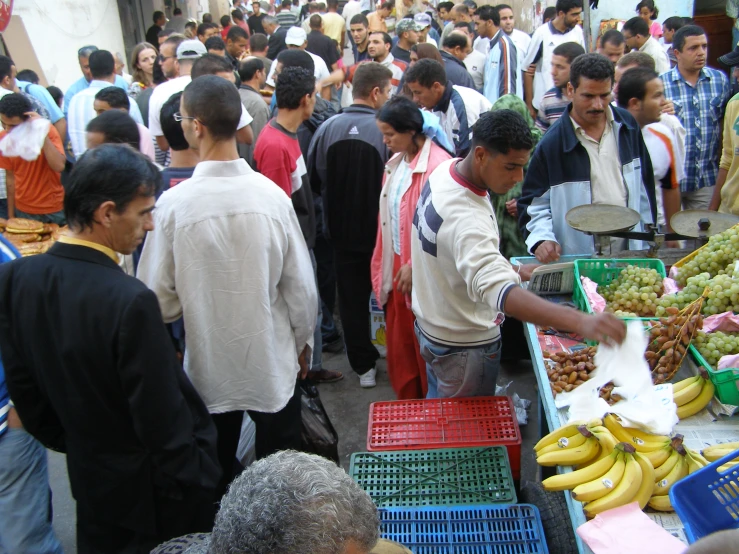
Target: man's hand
{"x": 548, "y": 251}
{"x": 526, "y": 271}
{"x": 668, "y": 107}
{"x": 404, "y": 279}
{"x": 14, "y": 422}
{"x": 512, "y": 207}
{"x": 303, "y": 362}
{"x": 605, "y": 328}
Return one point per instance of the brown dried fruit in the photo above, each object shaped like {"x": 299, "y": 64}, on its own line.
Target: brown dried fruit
{"x": 568, "y": 388}
{"x": 572, "y": 378}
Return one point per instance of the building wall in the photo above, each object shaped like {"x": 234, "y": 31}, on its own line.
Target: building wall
{"x": 58, "y": 29}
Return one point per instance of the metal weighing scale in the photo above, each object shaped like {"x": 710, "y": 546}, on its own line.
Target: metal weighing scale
{"x": 604, "y": 221}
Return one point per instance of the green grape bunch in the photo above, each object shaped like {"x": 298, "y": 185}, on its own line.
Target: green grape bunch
{"x": 721, "y": 251}
{"x": 722, "y": 296}
{"x": 713, "y": 346}
{"x": 634, "y": 293}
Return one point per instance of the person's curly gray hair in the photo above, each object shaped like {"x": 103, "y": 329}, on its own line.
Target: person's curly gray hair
{"x": 294, "y": 503}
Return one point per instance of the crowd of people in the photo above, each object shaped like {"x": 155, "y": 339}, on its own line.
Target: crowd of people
{"x": 244, "y": 184}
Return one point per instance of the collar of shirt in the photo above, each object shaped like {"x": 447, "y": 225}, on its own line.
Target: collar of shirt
{"x": 677, "y": 76}
{"x": 555, "y": 31}
{"x": 443, "y": 104}
{"x": 99, "y": 84}
{"x": 231, "y": 168}
{"x": 112, "y": 254}
{"x": 581, "y": 134}
{"x": 247, "y": 87}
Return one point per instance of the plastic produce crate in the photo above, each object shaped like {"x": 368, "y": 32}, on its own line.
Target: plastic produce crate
{"x": 498, "y": 529}
{"x": 725, "y": 380}
{"x": 446, "y": 423}
{"x": 707, "y": 500}
{"x": 605, "y": 271}
{"x": 445, "y": 477}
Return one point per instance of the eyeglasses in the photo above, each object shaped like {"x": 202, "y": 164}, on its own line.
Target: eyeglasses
{"x": 163, "y": 59}
{"x": 179, "y": 117}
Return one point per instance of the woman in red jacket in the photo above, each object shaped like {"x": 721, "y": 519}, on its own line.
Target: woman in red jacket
{"x": 411, "y": 135}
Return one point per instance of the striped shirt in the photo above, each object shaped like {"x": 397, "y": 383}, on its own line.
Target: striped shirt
{"x": 700, "y": 110}
{"x": 551, "y": 107}
{"x": 501, "y": 74}
{"x": 667, "y": 161}
{"x": 7, "y": 253}
{"x": 82, "y": 111}
{"x": 286, "y": 18}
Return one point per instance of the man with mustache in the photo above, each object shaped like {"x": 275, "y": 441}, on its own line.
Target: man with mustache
{"x": 593, "y": 154}
{"x": 699, "y": 94}
{"x": 462, "y": 284}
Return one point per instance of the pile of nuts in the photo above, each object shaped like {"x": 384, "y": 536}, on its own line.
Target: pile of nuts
{"x": 568, "y": 370}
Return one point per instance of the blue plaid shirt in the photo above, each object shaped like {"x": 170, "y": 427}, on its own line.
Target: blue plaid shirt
{"x": 700, "y": 110}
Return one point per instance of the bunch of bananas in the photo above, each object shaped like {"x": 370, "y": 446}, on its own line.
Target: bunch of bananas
{"x": 692, "y": 394}
{"x": 572, "y": 444}
{"x": 681, "y": 461}
{"x": 718, "y": 451}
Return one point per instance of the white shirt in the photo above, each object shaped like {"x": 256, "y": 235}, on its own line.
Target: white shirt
{"x": 460, "y": 278}
{"x": 522, "y": 41}
{"x": 82, "y": 111}
{"x": 475, "y": 64}
{"x": 164, "y": 92}
{"x": 546, "y": 38}
{"x": 667, "y": 159}
{"x": 351, "y": 8}
{"x": 320, "y": 70}
{"x": 227, "y": 254}
{"x": 661, "y": 60}
{"x": 482, "y": 44}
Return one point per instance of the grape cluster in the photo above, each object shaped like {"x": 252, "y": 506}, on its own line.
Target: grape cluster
{"x": 721, "y": 250}
{"x": 634, "y": 292}
{"x": 723, "y": 293}
{"x": 713, "y": 346}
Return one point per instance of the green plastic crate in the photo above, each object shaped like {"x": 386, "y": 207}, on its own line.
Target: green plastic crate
{"x": 725, "y": 380}
{"x": 605, "y": 271}
{"x": 444, "y": 477}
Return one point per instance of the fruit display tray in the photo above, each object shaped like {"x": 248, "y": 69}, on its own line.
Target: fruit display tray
{"x": 446, "y": 423}
{"x": 445, "y": 477}
{"x": 603, "y": 272}
{"x": 725, "y": 380}
{"x": 708, "y": 500}
{"x": 498, "y": 529}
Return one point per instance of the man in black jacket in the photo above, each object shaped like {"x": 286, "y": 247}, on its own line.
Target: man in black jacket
{"x": 276, "y": 35}
{"x": 93, "y": 373}
{"x": 345, "y": 163}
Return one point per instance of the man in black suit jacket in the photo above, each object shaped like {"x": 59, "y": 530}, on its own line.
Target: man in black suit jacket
{"x": 93, "y": 373}
{"x": 276, "y": 36}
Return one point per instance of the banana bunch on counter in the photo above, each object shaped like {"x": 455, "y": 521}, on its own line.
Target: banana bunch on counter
{"x": 692, "y": 394}
{"x": 718, "y": 451}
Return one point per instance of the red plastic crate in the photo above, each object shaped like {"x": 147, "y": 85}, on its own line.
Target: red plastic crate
{"x": 446, "y": 423}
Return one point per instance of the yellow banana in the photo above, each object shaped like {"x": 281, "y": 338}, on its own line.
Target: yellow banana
{"x": 693, "y": 464}
{"x": 567, "y": 481}
{"x": 602, "y": 485}
{"x": 727, "y": 466}
{"x": 717, "y": 451}
{"x": 565, "y": 431}
{"x": 634, "y": 437}
{"x": 565, "y": 442}
{"x": 623, "y": 493}
{"x": 687, "y": 394}
{"x": 664, "y": 485}
{"x": 607, "y": 444}
{"x": 647, "y": 480}
{"x": 697, "y": 457}
{"x": 698, "y": 403}
{"x": 659, "y": 457}
{"x": 660, "y": 503}
{"x": 680, "y": 385}
{"x": 571, "y": 456}
{"x": 660, "y": 472}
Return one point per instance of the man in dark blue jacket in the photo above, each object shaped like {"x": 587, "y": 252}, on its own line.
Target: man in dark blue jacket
{"x": 594, "y": 154}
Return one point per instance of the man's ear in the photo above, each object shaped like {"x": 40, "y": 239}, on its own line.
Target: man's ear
{"x": 104, "y": 213}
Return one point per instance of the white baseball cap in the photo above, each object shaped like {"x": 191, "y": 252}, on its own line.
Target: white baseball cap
{"x": 295, "y": 37}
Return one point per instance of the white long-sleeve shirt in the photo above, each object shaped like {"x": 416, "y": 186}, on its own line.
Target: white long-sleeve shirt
{"x": 228, "y": 255}
{"x": 460, "y": 278}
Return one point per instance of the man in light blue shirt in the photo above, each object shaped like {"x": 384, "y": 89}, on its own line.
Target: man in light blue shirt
{"x": 83, "y": 55}
{"x": 81, "y": 108}
{"x": 56, "y": 115}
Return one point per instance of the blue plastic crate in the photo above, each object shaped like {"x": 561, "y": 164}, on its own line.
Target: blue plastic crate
{"x": 708, "y": 500}
{"x": 491, "y": 529}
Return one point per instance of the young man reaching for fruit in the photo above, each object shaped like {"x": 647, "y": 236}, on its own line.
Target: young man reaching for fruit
{"x": 462, "y": 285}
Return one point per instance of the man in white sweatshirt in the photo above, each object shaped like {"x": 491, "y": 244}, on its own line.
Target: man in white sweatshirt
{"x": 462, "y": 284}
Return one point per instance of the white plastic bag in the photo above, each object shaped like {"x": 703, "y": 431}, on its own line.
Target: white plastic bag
{"x": 26, "y": 140}
{"x": 644, "y": 405}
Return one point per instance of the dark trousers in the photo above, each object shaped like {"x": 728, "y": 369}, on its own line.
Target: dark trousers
{"x": 326, "y": 276}
{"x": 192, "y": 512}
{"x": 355, "y": 285}
{"x": 274, "y": 432}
